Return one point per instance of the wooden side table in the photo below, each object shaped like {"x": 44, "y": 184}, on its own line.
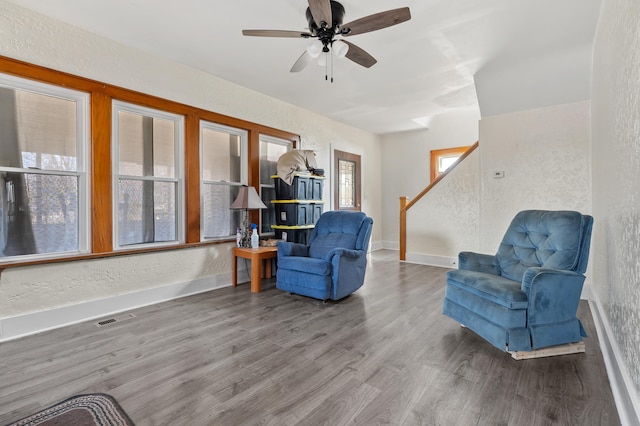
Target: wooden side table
{"x": 257, "y": 256}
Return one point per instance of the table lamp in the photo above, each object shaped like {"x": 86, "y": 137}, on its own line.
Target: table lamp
{"x": 247, "y": 199}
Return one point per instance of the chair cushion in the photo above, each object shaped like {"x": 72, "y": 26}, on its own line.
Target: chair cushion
{"x": 495, "y": 288}
{"x": 550, "y": 239}
{"x": 309, "y": 265}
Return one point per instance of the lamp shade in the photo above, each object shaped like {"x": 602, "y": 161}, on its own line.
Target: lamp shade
{"x": 248, "y": 199}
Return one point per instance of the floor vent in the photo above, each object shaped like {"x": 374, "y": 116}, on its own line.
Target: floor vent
{"x": 119, "y": 318}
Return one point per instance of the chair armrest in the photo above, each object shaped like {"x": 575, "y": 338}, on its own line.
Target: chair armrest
{"x": 553, "y": 294}
{"x": 478, "y": 262}
{"x": 348, "y": 270}
{"x": 339, "y": 251}
{"x": 292, "y": 249}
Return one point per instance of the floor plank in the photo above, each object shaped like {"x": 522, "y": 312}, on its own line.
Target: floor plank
{"x": 384, "y": 355}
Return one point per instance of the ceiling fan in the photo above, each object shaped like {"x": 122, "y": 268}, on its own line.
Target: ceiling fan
{"x": 325, "y": 23}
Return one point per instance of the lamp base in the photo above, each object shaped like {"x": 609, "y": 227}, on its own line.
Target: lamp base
{"x": 245, "y": 241}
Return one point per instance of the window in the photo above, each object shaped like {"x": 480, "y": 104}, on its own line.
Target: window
{"x": 223, "y": 153}
{"x": 270, "y": 150}
{"x": 442, "y": 159}
{"x": 43, "y": 160}
{"x": 83, "y": 176}
{"x": 148, "y": 181}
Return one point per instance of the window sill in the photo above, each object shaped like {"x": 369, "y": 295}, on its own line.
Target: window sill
{"x": 91, "y": 256}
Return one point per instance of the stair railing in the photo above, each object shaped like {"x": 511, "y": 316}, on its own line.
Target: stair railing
{"x": 406, "y": 205}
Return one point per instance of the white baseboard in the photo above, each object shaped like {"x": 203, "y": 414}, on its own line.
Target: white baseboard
{"x": 423, "y": 259}
{"x": 37, "y": 322}
{"x": 622, "y": 387}
{"x": 426, "y": 259}
{"x": 390, "y": 245}
{"x": 376, "y": 245}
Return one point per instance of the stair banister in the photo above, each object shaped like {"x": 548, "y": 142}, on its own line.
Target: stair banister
{"x": 406, "y": 205}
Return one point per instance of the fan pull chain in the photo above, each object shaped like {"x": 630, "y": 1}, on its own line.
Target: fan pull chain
{"x": 332, "y": 65}
{"x": 328, "y": 58}
{"x": 326, "y": 66}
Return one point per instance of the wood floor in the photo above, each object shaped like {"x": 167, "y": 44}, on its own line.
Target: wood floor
{"x": 384, "y": 355}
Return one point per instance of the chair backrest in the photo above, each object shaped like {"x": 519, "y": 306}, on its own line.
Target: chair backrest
{"x": 338, "y": 228}
{"x": 550, "y": 239}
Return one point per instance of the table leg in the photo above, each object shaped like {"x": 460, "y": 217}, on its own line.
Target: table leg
{"x": 234, "y": 271}
{"x": 267, "y": 268}
{"x": 256, "y": 277}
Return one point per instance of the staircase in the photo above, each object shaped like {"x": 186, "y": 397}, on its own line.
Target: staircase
{"x": 405, "y": 204}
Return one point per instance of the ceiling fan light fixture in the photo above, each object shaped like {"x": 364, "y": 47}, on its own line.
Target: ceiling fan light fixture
{"x": 340, "y": 48}
{"x": 313, "y": 50}
{"x": 325, "y": 18}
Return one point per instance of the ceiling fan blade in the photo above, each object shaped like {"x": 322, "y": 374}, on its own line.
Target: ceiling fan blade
{"x": 276, "y": 33}
{"x": 321, "y": 12}
{"x": 359, "y": 56}
{"x": 376, "y": 21}
{"x": 302, "y": 62}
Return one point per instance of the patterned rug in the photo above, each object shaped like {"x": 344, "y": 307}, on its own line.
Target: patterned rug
{"x": 80, "y": 410}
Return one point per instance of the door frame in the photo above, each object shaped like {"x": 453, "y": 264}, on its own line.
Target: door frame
{"x": 357, "y": 160}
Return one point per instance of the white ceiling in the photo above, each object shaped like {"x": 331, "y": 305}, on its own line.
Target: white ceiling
{"x": 518, "y": 53}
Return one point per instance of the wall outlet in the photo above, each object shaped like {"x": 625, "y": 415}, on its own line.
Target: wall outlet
{"x": 498, "y": 174}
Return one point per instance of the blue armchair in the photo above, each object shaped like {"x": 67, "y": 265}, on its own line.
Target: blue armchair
{"x": 332, "y": 266}
{"x": 526, "y": 296}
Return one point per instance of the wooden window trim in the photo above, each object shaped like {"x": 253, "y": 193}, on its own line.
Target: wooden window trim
{"x": 100, "y": 167}
{"x": 269, "y": 139}
{"x": 437, "y": 153}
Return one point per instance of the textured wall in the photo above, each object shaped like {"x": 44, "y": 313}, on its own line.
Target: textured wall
{"x": 26, "y": 290}
{"x": 40, "y": 40}
{"x": 545, "y": 156}
{"x": 405, "y": 167}
{"x": 616, "y": 175}
{"x": 447, "y": 221}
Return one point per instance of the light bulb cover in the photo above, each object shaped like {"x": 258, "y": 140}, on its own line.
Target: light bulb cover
{"x": 340, "y": 48}
{"x": 313, "y": 50}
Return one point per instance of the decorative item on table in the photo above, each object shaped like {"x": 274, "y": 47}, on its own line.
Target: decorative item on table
{"x": 247, "y": 199}
{"x": 255, "y": 239}
{"x": 271, "y": 242}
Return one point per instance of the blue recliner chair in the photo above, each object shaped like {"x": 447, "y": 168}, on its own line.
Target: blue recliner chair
{"x": 526, "y": 296}
{"x": 332, "y": 266}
